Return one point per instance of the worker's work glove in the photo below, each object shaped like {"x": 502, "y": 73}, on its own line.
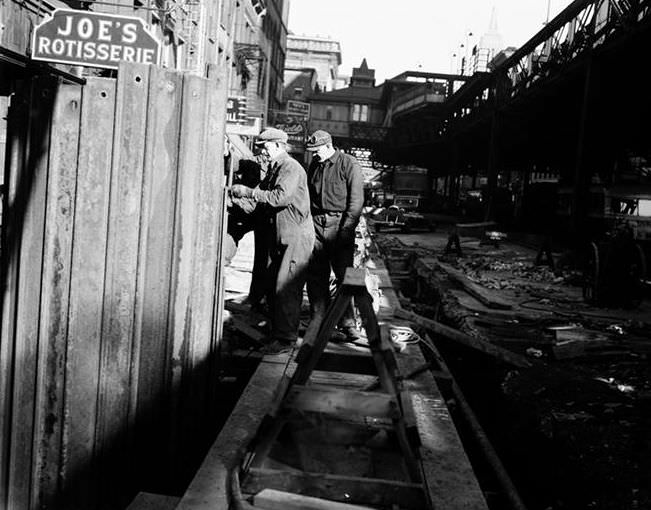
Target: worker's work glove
{"x": 239, "y": 190}
{"x": 246, "y": 204}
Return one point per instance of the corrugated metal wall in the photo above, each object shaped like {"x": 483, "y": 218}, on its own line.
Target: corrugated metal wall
{"x": 110, "y": 248}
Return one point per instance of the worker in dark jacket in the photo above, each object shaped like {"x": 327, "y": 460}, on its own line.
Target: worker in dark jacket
{"x": 336, "y": 184}
{"x": 284, "y": 194}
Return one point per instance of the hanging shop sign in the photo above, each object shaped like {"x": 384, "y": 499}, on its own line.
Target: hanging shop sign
{"x": 236, "y": 109}
{"x": 295, "y": 127}
{"x": 298, "y": 108}
{"x": 94, "y": 39}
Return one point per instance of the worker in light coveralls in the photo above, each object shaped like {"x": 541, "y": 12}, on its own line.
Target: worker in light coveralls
{"x": 336, "y": 184}
{"x": 284, "y": 195}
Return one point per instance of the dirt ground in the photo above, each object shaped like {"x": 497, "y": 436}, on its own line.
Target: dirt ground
{"x": 574, "y": 430}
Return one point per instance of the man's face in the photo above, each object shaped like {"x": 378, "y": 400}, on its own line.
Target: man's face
{"x": 269, "y": 150}
{"x": 321, "y": 153}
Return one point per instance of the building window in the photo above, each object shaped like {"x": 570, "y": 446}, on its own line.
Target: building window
{"x": 298, "y": 92}
{"x": 329, "y": 113}
{"x": 360, "y": 113}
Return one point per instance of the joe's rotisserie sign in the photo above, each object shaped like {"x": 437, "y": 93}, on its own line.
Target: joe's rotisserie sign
{"x": 94, "y": 39}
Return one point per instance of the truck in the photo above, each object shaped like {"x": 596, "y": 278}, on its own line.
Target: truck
{"x": 410, "y": 191}
{"x": 410, "y": 186}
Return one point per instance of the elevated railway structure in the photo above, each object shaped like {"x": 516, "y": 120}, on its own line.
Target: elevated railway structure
{"x": 570, "y": 102}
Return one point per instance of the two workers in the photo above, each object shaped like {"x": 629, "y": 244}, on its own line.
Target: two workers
{"x": 313, "y": 217}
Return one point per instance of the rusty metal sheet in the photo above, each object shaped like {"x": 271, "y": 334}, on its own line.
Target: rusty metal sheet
{"x": 31, "y": 189}
{"x": 16, "y": 142}
{"x": 111, "y": 442}
{"x": 215, "y": 159}
{"x": 196, "y": 260}
{"x": 184, "y": 317}
{"x": 61, "y": 189}
{"x": 87, "y": 292}
{"x": 155, "y": 263}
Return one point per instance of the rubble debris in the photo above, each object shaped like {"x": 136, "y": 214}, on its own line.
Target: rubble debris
{"x": 534, "y": 353}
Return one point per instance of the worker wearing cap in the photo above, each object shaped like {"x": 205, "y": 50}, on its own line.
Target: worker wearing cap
{"x": 336, "y": 187}
{"x": 285, "y": 195}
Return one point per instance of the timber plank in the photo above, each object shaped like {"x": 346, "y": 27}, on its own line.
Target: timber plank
{"x": 338, "y": 379}
{"x": 249, "y": 331}
{"x": 60, "y": 214}
{"x": 487, "y": 298}
{"x": 340, "y": 402}
{"x": 30, "y": 235}
{"x": 345, "y": 489}
{"x": 83, "y": 357}
{"x": 457, "y": 336}
{"x": 149, "y": 501}
{"x": 209, "y": 488}
{"x": 447, "y": 472}
{"x": 271, "y": 499}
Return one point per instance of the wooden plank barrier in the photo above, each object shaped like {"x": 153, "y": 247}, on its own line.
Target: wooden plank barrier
{"x": 110, "y": 252}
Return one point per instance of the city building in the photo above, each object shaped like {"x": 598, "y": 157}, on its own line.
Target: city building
{"x": 274, "y": 29}
{"x": 489, "y": 45}
{"x": 319, "y": 53}
{"x": 300, "y": 84}
{"x": 258, "y": 56}
{"x": 336, "y": 110}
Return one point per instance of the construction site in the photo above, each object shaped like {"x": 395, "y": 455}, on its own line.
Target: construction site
{"x": 500, "y": 284}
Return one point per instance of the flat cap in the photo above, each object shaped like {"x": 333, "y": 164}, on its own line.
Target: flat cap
{"x": 317, "y": 139}
{"x": 271, "y": 135}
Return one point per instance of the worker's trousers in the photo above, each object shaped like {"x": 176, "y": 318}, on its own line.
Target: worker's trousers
{"x": 331, "y": 253}
{"x": 289, "y": 264}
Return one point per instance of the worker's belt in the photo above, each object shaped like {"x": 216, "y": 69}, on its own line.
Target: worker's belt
{"x": 327, "y": 213}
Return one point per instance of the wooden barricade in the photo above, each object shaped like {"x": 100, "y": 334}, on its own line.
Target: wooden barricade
{"x": 111, "y": 238}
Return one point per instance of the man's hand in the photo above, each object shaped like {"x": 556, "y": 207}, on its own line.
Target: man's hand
{"x": 239, "y": 190}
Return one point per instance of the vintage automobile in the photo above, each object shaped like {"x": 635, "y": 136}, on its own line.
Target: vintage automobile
{"x": 406, "y": 220}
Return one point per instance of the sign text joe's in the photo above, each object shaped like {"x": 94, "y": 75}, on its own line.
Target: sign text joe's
{"x": 93, "y": 39}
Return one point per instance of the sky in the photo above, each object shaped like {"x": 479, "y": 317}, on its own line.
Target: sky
{"x": 396, "y": 36}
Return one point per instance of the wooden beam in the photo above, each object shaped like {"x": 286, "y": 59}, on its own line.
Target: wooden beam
{"x": 271, "y": 499}
{"x": 149, "y": 501}
{"x": 447, "y": 472}
{"x": 234, "y": 306}
{"x": 480, "y": 436}
{"x": 477, "y": 291}
{"x": 457, "y": 336}
{"x": 340, "y": 402}
{"x": 349, "y": 489}
{"x": 355, "y": 277}
{"x": 248, "y": 331}
{"x": 209, "y": 487}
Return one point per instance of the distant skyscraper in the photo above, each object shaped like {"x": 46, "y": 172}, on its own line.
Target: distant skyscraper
{"x": 490, "y": 44}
